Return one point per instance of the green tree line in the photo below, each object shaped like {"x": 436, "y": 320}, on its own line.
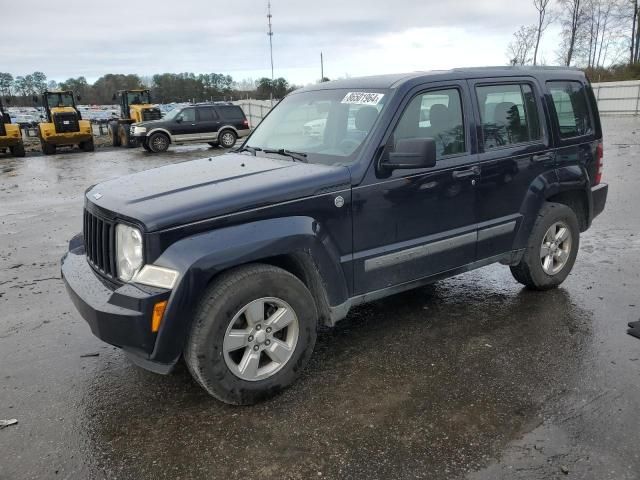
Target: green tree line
{"x": 165, "y": 87}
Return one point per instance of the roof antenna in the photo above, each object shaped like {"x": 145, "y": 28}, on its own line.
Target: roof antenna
{"x": 270, "y": 33}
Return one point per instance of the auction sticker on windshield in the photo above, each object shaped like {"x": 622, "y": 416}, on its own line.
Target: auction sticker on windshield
{"x": 363, "y": 98}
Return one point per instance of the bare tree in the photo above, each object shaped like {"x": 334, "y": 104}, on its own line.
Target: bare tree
{"x": 543, "y": 22}
{"x": 572, "y": 19}
{"x": 519, "y": 49}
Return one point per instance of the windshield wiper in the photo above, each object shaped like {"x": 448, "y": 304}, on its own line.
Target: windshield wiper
{"x": 247, "y": 148}
{"x": 297, "y": 156}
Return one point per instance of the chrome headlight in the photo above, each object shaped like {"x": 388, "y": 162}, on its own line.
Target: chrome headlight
{"x": 129, "y": 255}
{"x": 139, "y": 130}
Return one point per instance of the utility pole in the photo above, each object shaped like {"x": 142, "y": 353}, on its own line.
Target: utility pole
{"x": 270, "y": 33}
{"x": 321, "y": 68}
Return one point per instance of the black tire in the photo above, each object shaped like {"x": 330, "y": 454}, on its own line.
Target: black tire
{"x": 47, "y": 148}
{"x": 18, "y": 150}
{"x": 213, "y": 144}
{"x": 114, "y": 134}
{"x": 224, "y": 298}
{"x": 227, "y": 138}
{"x": 158, "y": 142}
{"x": 87, "y": 146}
{"x": 145, "y": 144}
{"x": 124, "y": 134}
{"x": 530, "y": 271}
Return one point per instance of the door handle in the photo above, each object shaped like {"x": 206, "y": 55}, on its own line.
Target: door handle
{"x": 543, "y": 157}
{"x": 467, "y": 172}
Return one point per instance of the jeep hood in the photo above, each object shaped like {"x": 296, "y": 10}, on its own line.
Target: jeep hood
{"x": 196, "y": 190}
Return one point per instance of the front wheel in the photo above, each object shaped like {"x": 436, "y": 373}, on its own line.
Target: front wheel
{"x": 551, "y": 250}
{"x": 145, "y": 144}
{"x": 253, "y": 333}
{"x": 158, "y": 142}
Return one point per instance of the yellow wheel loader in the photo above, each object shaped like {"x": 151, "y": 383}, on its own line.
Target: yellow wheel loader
{"x": 63, "y": 125}
{"x": 135, "y": 106}
{"x": 10, "y": 135}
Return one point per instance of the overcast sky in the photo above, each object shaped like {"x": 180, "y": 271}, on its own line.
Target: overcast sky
{"x": 357, "y": 37}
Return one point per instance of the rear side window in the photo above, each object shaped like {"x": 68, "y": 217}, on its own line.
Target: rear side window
{"x": 231, "y": 113}
{"x": 573, "y": 114}
{"x": 508, "y": 114}
{"x": 207, "y": 114}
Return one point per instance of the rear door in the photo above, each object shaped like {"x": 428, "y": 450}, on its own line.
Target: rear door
{"x": 208, "y": 123}
{"x": 515, "y": 149}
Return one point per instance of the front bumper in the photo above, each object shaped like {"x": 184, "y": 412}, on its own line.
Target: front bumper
{"x": 599, "y": 195}
{"x": 118, "y": 315}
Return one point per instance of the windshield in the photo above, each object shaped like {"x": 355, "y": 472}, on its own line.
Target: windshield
{"x": 59, "y": 100}
{"x": 172, "y": 114}
{"x": 138, "y": 98}
{"x": 330, "y": 126}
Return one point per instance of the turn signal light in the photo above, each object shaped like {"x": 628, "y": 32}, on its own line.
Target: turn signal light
{"x": 158, "y": 313}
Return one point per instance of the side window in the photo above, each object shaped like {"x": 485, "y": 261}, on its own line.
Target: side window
{"x": 508, "y": 114}
{"x": 571, "y": 108}
{"x": 207, "y": 114}
{"x": 231, "y": 114}
{"x": 435, "y": 114}
{"x": 188, "y": 115}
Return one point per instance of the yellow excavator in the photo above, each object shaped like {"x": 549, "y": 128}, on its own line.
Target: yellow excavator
{"x": 63, "y": 124}
{"x": 10, "y": 135}
{"x": 135, "y": 106}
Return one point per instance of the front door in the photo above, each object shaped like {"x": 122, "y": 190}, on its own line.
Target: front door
{"x": 184, "y": 126}
{"x": 417, "y": 223}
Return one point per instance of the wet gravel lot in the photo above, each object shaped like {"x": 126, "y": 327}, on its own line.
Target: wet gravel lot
{"x": 472, "y": 377}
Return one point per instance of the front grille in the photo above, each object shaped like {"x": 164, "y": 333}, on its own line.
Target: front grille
{"x": 100, "y": 244}
{"x": 66, "y": 122}
{"x": 151, "y": 114}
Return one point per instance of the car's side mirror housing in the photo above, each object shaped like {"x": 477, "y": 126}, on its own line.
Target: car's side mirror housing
{"x": 179, "y": 119}
{"x": 411, "y": 153}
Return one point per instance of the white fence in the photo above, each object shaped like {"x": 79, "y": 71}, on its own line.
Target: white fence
{"x": 618, "y": 98}
{"x": 255, "y": 110}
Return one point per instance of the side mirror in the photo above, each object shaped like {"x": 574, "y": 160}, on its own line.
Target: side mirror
{"x": 179, "y": 119}
{"x": 412, "y": 153}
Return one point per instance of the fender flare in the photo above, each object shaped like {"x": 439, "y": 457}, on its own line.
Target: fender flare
{"x": 199, "y": 258}
{"x": 549, "y": 184}
{"x": 159, "y": 129}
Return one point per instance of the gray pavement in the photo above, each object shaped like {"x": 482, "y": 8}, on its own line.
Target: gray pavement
{"x": 472, "y": 377}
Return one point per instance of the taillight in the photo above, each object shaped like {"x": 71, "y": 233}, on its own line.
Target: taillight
{"x": 599, "y": 163}
{"x": 246, "y": 123}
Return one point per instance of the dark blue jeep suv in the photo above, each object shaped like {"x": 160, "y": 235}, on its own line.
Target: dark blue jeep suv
{"x": 347, "y": 192}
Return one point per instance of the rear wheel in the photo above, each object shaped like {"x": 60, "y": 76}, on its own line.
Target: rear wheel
{"x": 47, "y": 148}
{"x": 227, "y": 138}
{"x": 159, "y": 142}
{"x": 18, "y": 150}
{"x": 253, "y": 333}
{"x": 114, "y": 134}
{"x": 87, "y": 146}
{"x": 551, "y": 250}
